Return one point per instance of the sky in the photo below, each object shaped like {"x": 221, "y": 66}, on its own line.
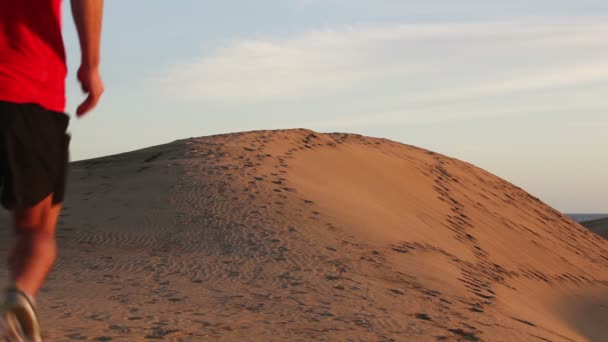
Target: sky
{"x": 519, "y": 88}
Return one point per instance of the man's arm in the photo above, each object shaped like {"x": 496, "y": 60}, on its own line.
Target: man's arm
{"x": 88, "y": 16}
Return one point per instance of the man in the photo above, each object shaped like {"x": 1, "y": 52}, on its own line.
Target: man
{"x": 33, "y": 139}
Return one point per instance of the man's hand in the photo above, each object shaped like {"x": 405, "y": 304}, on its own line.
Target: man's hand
{"x": 91, "y": 83}
{"x": 88, "y": 15}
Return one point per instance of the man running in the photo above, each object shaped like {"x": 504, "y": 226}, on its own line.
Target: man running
{"x": 33, "y": 139}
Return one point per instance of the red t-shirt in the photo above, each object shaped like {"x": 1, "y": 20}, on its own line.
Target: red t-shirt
{"x": 32, "y": 55}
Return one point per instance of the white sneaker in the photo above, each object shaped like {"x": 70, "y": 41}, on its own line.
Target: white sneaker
{"x": 20, "y": 317}
{"x": 10, "y": 331}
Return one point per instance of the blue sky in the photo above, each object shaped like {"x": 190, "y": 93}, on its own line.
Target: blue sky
{"x": 518, "y": 88}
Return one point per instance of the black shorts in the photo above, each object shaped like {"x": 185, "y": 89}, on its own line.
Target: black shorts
{"x": 34, "y": 154}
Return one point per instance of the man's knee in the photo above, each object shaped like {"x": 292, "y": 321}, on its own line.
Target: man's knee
{"x": 38, "y": 218}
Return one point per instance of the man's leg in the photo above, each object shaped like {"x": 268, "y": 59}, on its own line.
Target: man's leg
{"x": 30, "y": 261}
{"x": 35, "y": 250}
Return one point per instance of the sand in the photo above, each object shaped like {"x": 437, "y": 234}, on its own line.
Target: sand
{"x": 299, "y": 236}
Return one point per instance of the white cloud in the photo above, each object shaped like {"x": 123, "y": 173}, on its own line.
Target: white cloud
{"x": 462, "y": 8}
{"x": 452, "y": 112}
{"x": 426, "y": 61}
{"x": 313, "y": 64}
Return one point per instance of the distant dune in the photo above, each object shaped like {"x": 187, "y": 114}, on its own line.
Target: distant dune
{"x": 599, "y": 226}
{"x": 586, "y": 217}
{"x": 295, "y": 235}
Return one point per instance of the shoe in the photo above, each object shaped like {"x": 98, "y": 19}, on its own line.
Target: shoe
{"x": 10, "y": 331}
{"x": 20, "y": 317}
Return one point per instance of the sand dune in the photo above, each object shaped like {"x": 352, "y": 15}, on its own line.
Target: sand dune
{"x": 301, "y": 236}
{"x": 599, "y": 226}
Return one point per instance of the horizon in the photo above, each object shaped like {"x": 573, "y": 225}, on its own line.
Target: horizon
{"x": 516, "y": 89}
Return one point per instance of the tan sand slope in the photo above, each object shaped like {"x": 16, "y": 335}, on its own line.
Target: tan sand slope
{"x": 599, "y": 226}
{"x": 300, "y": 236}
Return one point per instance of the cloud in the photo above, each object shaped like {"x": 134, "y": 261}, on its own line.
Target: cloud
{"x": 399, "y": 74}
{"x": 452, "y": 60}
{"x": 452, "y": 112}
{"x": 462, "y": 8}
{"x": 316, "y": 63}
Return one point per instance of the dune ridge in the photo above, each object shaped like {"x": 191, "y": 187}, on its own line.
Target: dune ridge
{"x": 294, "y": 235}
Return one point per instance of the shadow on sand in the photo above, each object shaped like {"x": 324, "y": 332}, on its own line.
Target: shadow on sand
{"x": 587, "y": 314}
